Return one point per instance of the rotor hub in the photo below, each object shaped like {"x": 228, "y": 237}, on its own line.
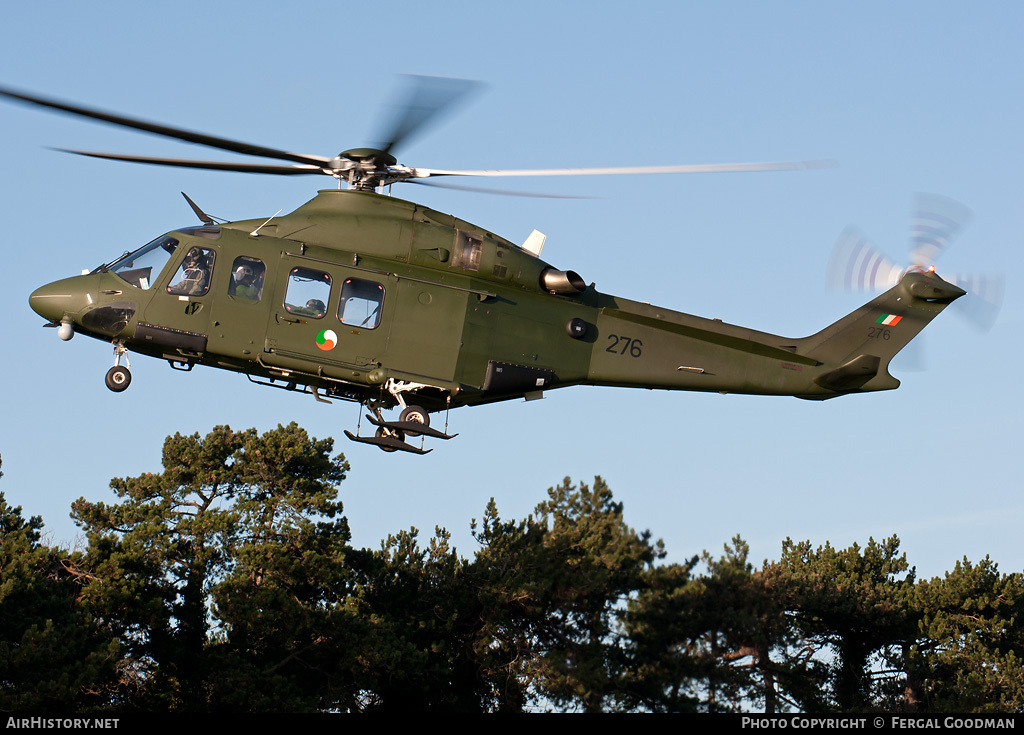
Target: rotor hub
{"x": 369, "y": 155}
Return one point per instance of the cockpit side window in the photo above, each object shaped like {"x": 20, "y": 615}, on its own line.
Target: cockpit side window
{"x": 360, "y": 303}
{"x": 308, "y": 292}
{"x": 193, "y": 277}
{"x": 141, "y": 267}
{"x": 247, "y": 276}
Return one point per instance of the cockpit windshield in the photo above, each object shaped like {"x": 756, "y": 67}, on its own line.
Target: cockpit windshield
{"x": 141, "y": 267}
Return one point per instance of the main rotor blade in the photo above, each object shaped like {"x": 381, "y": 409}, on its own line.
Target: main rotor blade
{"x": 429, "y": 97}
{"x": 611, "y": 171}
{"x": 248, "y": 168}
{"x": 166, "y": 131}
{"x": 503, "y": 192}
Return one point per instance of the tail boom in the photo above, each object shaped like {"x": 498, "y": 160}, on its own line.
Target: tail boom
{"x": 638, "y": 345}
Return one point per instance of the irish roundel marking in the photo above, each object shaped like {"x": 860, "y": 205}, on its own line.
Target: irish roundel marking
{"x": 326, "y": 339}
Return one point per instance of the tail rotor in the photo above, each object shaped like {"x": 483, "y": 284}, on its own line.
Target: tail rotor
{"x": 857, "y": 265}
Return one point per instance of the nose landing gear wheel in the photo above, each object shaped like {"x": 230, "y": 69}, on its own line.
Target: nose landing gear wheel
{"x": 118, "y": 378}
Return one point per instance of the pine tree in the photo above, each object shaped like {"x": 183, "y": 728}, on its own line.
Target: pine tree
{"x": 851, "y": 605}
{"x": 969, "y": 652}
{"x": 226, "y": 514}
{"x": 53, "y": 655}
{"x": 554, "y": 588}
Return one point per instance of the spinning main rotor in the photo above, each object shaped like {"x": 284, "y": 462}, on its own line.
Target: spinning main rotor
{"x": 369, "y": 168}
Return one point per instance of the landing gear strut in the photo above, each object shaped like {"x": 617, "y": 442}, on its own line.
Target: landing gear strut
{"x": 118, "y": 378}
{"x": 412, "y": 421}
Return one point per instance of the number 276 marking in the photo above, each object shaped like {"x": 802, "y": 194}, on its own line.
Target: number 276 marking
{"x": 624, "y": 345}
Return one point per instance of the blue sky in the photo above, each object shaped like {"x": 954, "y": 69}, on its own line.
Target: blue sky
{"x": 908, "y": 97}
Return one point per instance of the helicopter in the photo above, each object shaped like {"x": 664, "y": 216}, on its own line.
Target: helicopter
{"x": 364, "y": 297}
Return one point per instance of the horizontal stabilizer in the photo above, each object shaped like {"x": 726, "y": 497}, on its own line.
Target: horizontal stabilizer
{"x": 851, "y": 375}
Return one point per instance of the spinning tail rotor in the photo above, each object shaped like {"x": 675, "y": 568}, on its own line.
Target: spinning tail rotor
{"x": 857, "y": 265}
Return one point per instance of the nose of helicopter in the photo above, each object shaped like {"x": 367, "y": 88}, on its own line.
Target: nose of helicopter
{"x": 55, "y": 300}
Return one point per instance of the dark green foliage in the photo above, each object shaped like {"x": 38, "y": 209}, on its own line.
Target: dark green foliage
{"x": 237, "y": 519}
{"x": 850, "y": 603}
{"x": 53, "y": 655}
{"x": 552, "y": 588}
{"x": 422, "y": 616}
{"x": 664, "y": 663}
{"x": 719, "y": 641}
{"x": 281, "y": 601}
{"x": 226, "y": 583}
{"x": 828, "y": 630}
{"x": 968, "y": 652}
{"x": 533, "y": 617}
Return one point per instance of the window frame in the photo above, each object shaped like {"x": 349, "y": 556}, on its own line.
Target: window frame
{"x": 176, "y": 289}
{"x": 309, "y": 275}
{"x": 359, "y": 284}
{"x": 259, "y": 277}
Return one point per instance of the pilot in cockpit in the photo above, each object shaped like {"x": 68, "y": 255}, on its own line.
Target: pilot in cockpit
{"x": 195, "y": 274}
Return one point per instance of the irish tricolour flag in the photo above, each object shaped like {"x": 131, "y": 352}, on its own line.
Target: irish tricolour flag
{"x": 888, "y": 320}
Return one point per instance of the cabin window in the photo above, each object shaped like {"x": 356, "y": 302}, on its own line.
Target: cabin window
{"x": 139, "y": 268}
{"x": 361, "y": 303}
{"x": 247, "y": 275}
{"x": 308, "y": 292}
{"x": 193, "y": 276}
{"x": 467, "y": 251}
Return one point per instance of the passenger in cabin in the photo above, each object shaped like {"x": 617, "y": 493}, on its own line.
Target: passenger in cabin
{"x": 247, "y": 276}
{"x": 245, "y": 284}
{"x": 316, "y": 308}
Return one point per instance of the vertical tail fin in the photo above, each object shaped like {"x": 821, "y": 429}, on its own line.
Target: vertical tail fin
{"x": 859, "y": 347}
